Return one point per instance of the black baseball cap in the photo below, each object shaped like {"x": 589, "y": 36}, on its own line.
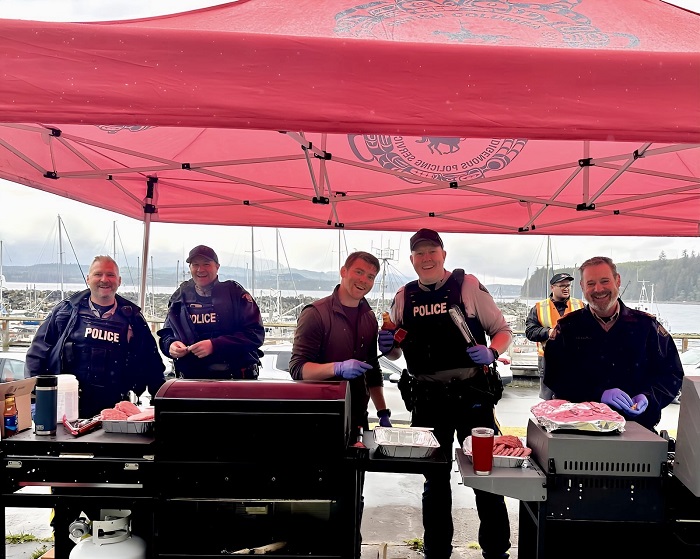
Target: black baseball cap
{"x": 204, "y": 251}
{"x": 556, "y": 278}
{"x": 426, "y": 235}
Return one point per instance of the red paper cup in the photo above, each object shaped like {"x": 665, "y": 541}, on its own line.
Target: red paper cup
{"x": 482, "y": 450}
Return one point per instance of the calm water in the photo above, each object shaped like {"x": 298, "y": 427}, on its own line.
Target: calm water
{"x": 682, "y": 317}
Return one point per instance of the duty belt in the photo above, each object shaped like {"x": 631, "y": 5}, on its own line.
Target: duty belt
{"x": 470, "y": 391}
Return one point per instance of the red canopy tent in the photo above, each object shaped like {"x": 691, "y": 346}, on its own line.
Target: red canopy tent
{"x": 577, "y": 117}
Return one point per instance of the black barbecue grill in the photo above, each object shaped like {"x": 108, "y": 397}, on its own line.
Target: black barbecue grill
{"x": 250, "y": 463}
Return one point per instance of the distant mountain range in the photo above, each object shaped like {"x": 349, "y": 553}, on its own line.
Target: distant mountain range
{"x": 289, "y": 280}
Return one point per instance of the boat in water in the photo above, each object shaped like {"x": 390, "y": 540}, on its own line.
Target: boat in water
{"x": 646, "y": 304}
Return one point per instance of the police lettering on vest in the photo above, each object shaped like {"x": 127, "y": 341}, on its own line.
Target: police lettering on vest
{"x": 427, "y": 310}
{"x": 104, "y": 335}
{"x": 204, "y": 318}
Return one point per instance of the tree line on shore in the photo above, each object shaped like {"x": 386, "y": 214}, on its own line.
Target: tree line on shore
{"x": 673, "y": 279}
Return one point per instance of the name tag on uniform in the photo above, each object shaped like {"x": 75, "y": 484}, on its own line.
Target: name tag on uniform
{"x": 105, "y": 335}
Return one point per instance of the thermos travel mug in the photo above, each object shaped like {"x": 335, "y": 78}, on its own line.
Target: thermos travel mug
{"x": 46, "y": 405}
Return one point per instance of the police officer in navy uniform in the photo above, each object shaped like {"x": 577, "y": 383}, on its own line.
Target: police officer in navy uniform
{"x": 451, "y": 390}
{"x": 102, "y": 339}
{"x": 213, "y": 329}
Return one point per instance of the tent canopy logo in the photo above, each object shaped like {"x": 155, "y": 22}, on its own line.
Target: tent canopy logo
{"x": 435, "y": 157}
{"x": 553, "y": 24}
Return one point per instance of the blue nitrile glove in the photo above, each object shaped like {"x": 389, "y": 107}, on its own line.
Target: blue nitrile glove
{"x": 384, "y": 416}
{"x": 481, "y": 355}
{"x": 617, "y": 398}
{"x": 350, "y": 369}
{"x": 386, "y": 341}
{"x": 642, "y": 403}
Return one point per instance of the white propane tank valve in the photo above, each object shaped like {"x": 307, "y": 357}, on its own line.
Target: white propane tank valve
{"x": 111, "y": 538}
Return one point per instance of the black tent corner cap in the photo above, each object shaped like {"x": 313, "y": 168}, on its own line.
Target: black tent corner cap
{"x": 588, "y": 162}
{"x": 307, "y": 146}
{"x": 585, "y": 207}
{"x": 320, "y": 200}
{"x": 340, "y": 194}
{"x": 616, "y": 212}
{"x": 339, "y": 225}
{"x": 186, "y": 166}
{"x": 523, "y": 229}
{"x": 56, "y": 132}
{"x": 533, "y": 227}
{"x": 326, "y": 155}
{"x": 637, "y": 155}
{"x": 151, "y": 180}
{"x": 431, "y": 214}
{"x": 51, "y": 175}
{"x": 109, "y": 177}
{"x": 246, "y": 202}
{"x": 149, "y": 209}
{"x": 454, "y": 184}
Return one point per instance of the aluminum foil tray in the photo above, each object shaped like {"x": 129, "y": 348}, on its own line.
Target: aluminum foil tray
{"x": 498, "y": 461}
{"x": 121, "y": 426}
{"x": 408, "y": 442}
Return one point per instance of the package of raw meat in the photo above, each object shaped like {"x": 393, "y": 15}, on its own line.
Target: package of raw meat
{"x": 508, "y": 451}
{"x": 584, "y": 416}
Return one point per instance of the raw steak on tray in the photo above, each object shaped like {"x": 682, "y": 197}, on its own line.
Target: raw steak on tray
{"x": 584, "y": 416}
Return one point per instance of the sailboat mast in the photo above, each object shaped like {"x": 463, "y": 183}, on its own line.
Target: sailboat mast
{"x": 277, "y": 256}
{"x": 153, "y": 290}
{"x": 60, "y": 255}
{"x": 547, "y": 274}
{"x": 252, "y": 261}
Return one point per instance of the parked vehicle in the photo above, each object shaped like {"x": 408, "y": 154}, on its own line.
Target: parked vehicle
{"x": 12, "y": 366}
{"x": 523, "y": 357}
{"x": 691, "y": 362}
{"x": 275, "y": 362}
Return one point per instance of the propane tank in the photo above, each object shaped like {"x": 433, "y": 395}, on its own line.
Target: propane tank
{"x": 111, "y": 538}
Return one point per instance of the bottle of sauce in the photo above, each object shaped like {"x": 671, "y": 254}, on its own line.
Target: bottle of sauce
{"x": 10, "y": 416}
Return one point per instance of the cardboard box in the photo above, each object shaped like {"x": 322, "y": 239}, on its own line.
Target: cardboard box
{"x": 22, "y": 391}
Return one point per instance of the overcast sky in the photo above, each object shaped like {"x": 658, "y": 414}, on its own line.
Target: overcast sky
{"x": 28, "y": 216}
{"x": 28, "y": 229}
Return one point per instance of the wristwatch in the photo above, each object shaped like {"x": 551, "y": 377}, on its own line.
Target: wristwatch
{"x": 495, "y": 354}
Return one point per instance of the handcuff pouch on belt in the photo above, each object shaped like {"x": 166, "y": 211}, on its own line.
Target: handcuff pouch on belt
{"x": 407, "y": 388}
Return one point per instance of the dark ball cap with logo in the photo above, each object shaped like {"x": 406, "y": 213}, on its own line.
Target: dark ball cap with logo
{"x": 426, "y": 235}
{"x": 556, "y": 278}
{"x": 204, "y": 252}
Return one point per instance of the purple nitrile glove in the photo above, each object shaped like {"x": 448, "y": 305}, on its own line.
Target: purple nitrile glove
{"x": 481, "y": 355}
{"x": 384, "y": 416}
{"x": 350, "y": 369}
{"x": 642, "y": 403}
{"x": 617, "y": 398}
{"x": 386, "y": 341}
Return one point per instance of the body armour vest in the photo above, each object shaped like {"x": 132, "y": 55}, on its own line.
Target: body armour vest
{"x": 204, "y": 318}
{"x": 96, "y": 349}
{"x": 433, "y": 342}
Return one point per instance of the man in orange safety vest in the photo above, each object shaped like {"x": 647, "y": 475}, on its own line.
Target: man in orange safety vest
{"x": 543, "y": 317}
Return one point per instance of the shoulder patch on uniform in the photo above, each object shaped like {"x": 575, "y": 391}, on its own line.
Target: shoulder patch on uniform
{"x": 481, "y": 286}
{"x": 662, "y": 331}
{"x": 247, "y": 297}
